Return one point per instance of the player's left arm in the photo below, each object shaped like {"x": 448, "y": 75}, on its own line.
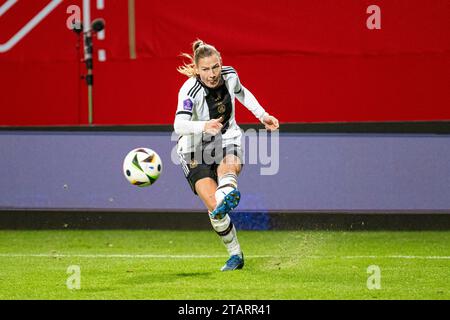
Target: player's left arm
{"x": 251, "y": 103}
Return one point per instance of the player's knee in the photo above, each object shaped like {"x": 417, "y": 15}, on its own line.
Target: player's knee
{"x": 231, "y": 159}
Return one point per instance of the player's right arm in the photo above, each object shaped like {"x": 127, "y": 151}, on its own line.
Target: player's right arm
{"x": 184, "y": 125}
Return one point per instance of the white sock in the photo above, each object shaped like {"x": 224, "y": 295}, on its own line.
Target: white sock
{"x": 227, "y": 232}
{"x": 227, "y": 183}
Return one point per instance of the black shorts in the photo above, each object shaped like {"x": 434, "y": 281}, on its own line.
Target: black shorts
{"x": 197, "y": 166}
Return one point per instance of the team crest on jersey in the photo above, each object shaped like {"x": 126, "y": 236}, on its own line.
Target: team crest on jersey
{"x": 188, "y": 104}
{"x": 221, "y": 108}
{"x": 193, "y": 164}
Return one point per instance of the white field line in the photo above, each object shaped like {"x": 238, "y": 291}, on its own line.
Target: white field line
{"x": 192, "y": 256}
{"x": 389, "y": 257}
{"x": 126, "y": 256}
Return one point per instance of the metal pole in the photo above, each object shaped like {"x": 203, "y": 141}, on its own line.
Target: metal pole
{"x": 88, "y": 57}
{"x": 90, "y": 76}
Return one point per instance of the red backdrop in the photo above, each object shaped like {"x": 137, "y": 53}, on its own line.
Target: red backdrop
{"x": 306, "y": 61}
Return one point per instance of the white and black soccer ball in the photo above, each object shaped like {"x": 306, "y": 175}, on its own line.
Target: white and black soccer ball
{"x": 142, "y": 167}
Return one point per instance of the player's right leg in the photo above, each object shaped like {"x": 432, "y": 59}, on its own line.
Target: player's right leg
{"x": 227, "y": 193}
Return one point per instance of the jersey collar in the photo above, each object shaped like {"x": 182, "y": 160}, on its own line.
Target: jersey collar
{"x": 206, "y": 88}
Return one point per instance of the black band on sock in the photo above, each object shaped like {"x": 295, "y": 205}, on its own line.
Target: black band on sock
{"x": 231, "y": 175}
{"x": 226, "y": 231}
{"x": 226, "y": 185}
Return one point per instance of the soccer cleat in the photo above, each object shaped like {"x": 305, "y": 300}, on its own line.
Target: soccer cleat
{"x": 234, "y": 263}
{"x": 230, "y": 202}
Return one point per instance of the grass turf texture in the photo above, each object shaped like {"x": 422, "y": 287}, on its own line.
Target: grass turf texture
{"x": 185, "y": 265}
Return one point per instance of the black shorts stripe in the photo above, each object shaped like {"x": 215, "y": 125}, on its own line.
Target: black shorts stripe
{"x": 184, "y": 165}
{"x": 186, "y": 170}
{"x": 238, "y": 91}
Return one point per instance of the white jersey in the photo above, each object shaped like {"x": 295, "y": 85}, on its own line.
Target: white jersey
{"x": 197, "y": 104}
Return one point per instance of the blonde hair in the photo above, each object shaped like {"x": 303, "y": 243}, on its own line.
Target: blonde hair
{"x": 200, "y": 50}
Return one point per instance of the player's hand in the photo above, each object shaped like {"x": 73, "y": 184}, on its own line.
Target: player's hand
{"x": 270, "y": 122}
{"x": 213, "y": 126}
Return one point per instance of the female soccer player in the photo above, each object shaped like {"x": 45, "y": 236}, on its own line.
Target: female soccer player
{"x": 209, "y": 142}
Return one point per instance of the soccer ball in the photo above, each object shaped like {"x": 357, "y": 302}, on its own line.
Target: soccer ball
{"x": 142, "y": 167}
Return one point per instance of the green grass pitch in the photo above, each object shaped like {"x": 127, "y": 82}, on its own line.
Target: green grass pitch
{"x": 280, "y": 265}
